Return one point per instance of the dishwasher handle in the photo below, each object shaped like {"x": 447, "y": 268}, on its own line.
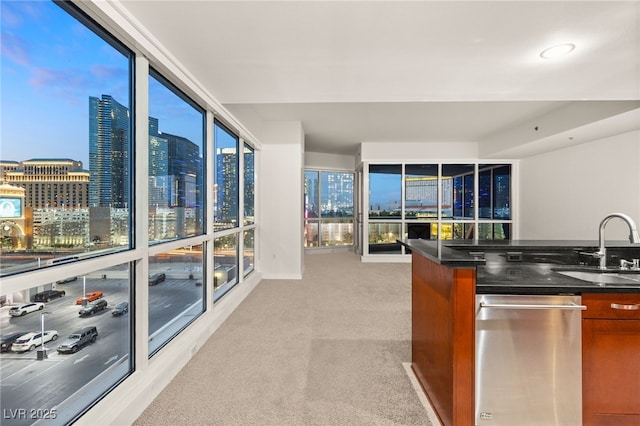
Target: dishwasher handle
{"x": 571, "y": 306}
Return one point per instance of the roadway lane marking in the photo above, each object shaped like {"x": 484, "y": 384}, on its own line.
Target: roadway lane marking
{"x": 80, "y": 359}
{"x": 34, "y": 376}
{"x": 110, "y": 360}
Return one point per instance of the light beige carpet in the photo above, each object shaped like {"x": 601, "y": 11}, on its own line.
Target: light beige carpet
{"x": 325, "y": 350}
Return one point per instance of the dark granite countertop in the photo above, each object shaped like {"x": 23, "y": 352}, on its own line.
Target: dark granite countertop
{"x": 535, "y": 266}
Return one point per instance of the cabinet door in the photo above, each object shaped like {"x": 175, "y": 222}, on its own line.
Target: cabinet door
{"x": 611, "y": 372}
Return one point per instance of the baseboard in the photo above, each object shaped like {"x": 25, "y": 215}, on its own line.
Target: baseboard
{"x": 431, "y": 414}
{"x": 267, "y": 276}
{"x": 385, "y": 258}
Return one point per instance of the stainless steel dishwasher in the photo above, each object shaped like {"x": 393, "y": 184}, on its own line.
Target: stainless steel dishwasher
{"x": 528, "y": 360}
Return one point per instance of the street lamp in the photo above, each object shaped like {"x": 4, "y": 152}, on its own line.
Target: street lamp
{"x": 84, "y": 291}
{"x": 42, "y": 352}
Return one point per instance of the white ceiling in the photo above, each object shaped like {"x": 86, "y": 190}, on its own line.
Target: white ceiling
{"x": 381, "y": 71}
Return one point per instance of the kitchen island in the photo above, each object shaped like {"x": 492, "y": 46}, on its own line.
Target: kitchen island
{"x": 449, "y": 276}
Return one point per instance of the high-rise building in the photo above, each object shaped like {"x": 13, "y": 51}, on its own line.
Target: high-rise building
{"x": 249, "y": 185}
{"x": 185, "y": 166}
{"x": 109, "y": 136}
{"x": 159, "y": 182}
{"x": 49, "y": 183}
{"x": 175, "y": 169}
{"x": 337, "y": 194}
{"x": 175, "y": 184}
{"x": 227, "y": 191}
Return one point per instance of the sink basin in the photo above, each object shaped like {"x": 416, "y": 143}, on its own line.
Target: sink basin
{"x": 604, "y": 277}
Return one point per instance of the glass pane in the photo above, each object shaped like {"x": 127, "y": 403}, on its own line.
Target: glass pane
{"x": 424, "y": 231}
{"x": 66, "y": 138}
{"x": 485, "y": 178}
{"x": 495, "y": 191}
{"x": 446, "y": 207}
{"x": 385, "y": 188}
{"x": 336, "y": 194}
{"x": 86, "y": 350}
{"x": 501, "y": 231}
{"x": 311, "y": 238}
{"x": 457, "y": 190}
{"x": 458, "y": 194}
{"x": 383, "y": 236}
{"x": 421, "y": 191}
{"x": 175, "y": 293}
{"x": 456, "y": 231}
{"x": 311, "y": 196}
{"x": 176, "y": 165}
{"x": 485, "y": 231}
{"x": 336, "y": 233}
{"x": 447, "y": 231}
{"x": 468, "y": 195}
{"x": 225, "y": 263}
{"x": 226, "y": 188}
{"x": 249, "y": 251}
{"x": 502, "y": 192}
{"x": 249, "y": 185}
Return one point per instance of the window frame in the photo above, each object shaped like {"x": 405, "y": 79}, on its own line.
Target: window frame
{"x": 320, "y": 220}
{"x": 442, "y": 225}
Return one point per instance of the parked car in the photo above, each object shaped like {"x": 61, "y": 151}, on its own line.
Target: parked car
{"x": 67, "y": 280}
{"x": 90, "y": 297}
{"x": 29, "y": 341}
{"x": 21, "y": 310}
{"x": 93, "y": 307}
{"x": 78, "y": 339}
{"x": 47, "y": 295}
{"x": 120, "y": 309}
{"x": 157, "y": 278}
{"x": 7, "y": 340}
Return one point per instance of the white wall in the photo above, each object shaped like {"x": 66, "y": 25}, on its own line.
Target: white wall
{"x": 415, "y": 151}
{"x": 317, "y": 160}
{"x": 281, "y": 200}
{"x": 565, "y": 194}
{"x": 563, "y": 127}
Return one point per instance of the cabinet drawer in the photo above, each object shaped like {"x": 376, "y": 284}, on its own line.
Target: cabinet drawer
{"x": 611, "y": 306}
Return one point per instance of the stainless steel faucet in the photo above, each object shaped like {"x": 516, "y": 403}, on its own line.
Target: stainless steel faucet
{"x": 634, "y": 237}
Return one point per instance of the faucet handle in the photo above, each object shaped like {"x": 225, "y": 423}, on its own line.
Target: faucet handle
{"x": 630, "y": 264}
{"x": 625, "y": 264}
{"x": 596, "y": 254}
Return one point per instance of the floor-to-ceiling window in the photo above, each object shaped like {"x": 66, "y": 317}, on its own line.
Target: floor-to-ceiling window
{"x": 494, "y": 200}
{"x": 421, "y": 200}
{"x": 176, "y": 210}
{"x": 66, "y": 213}
{"x": 437, "y": 201}
{"x": 457, "y": 188}
{"x": 85, "y": 234}
{"x": 249, "y": 220}
{"x": 385, "y": 208}
{"x": 225, "y": 208}
{"x": 328, "y": 209}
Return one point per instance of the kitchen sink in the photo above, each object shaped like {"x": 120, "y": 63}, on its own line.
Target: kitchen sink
{"x": 604, "y": 277}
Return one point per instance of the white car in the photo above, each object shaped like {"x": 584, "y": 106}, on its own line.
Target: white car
{"x": 30, "y": 341}
{"x": 20, "y": 310}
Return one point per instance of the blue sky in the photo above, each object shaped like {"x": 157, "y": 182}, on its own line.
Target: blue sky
{"x": 51, "y": 64}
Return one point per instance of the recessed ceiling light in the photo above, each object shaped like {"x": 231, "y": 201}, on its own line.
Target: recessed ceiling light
{"x": 557, "y": 50}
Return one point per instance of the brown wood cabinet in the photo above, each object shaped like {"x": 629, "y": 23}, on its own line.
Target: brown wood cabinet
{"x": 443, "y": 337}
{"x": 611, "y": 359}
